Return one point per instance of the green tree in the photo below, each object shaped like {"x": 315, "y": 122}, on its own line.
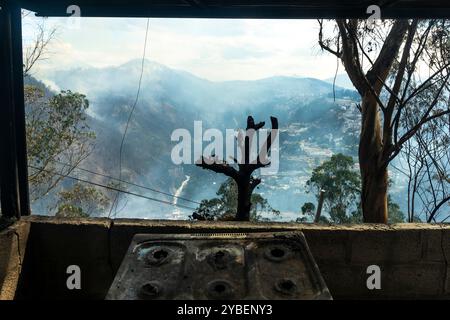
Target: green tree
{"x": 81, "y": 201}
{"x": 341, "y": 183}
{"x": 308, "y": 208}
{"x": 395, "y": 214}
{"x": 309, "y": 213}
{"x": 224, "y": 206}
{"x": 58, "y": 137}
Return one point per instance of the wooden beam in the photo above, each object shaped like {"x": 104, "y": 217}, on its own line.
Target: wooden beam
{"x": 195, "y": 3}
{"x": 271, "y": 10}
{"x": 19, "y": 109}
{"x": 9, "y": 184}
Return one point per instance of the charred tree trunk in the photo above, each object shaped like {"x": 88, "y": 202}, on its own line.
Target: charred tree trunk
{"x": 244, "y": 202}
{"x": 245, "y": 182}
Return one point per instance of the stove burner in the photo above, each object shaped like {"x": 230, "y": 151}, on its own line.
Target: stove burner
{"x": 219, "y": 266}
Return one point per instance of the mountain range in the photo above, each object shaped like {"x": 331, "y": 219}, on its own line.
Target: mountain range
{"x": 315, "y": 122}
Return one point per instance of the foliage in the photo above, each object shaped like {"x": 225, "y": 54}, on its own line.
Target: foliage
{"x": 81, "y": 201}
{"x": 308, "y": 213}
{"x": 224, "y": 206}
{"x": 308, "y": 208}
{"x": 57, "y": 132}
{"x": 341, "y": 183}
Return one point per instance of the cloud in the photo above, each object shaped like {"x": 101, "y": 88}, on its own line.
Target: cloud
{"x": 214, "y": 49}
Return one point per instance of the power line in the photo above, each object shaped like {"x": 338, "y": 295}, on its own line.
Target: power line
{"x": 113, "y": 188}
{"x": 127, "y": 182}
{"x": 129, "y": 118}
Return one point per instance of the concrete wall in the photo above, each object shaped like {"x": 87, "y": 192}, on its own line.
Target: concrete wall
{"x": 413, "y": 257}
{"x": 13, "y": 242}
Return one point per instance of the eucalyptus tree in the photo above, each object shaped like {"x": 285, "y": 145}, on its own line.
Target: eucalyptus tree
{"x": 393, "y": 65}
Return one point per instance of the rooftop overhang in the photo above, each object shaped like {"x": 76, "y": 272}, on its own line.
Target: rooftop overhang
{"x": 263, "y": 9}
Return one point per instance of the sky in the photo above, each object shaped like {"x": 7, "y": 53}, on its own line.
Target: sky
{"x": 215, "y": 49}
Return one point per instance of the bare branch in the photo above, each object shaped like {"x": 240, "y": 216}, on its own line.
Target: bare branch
{"x": 350, "y": 58}
{"x": 37, "y": 51}
{"x": 254, "y": 182}
{"x": 224, "y": 168}
{"x": 325, "y": 46}
{"x": 382, "y": 65}
{"x": 436, "y": 208}
{"x": 413, "y": 131}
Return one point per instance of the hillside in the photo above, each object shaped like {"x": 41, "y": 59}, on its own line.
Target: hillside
{"x": 313, "y": 126}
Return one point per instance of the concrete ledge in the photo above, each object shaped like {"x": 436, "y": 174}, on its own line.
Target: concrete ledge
{"x": 56, "y": 244}
{"x": 13, "y": 242}
{"x": 413, "y": 257}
